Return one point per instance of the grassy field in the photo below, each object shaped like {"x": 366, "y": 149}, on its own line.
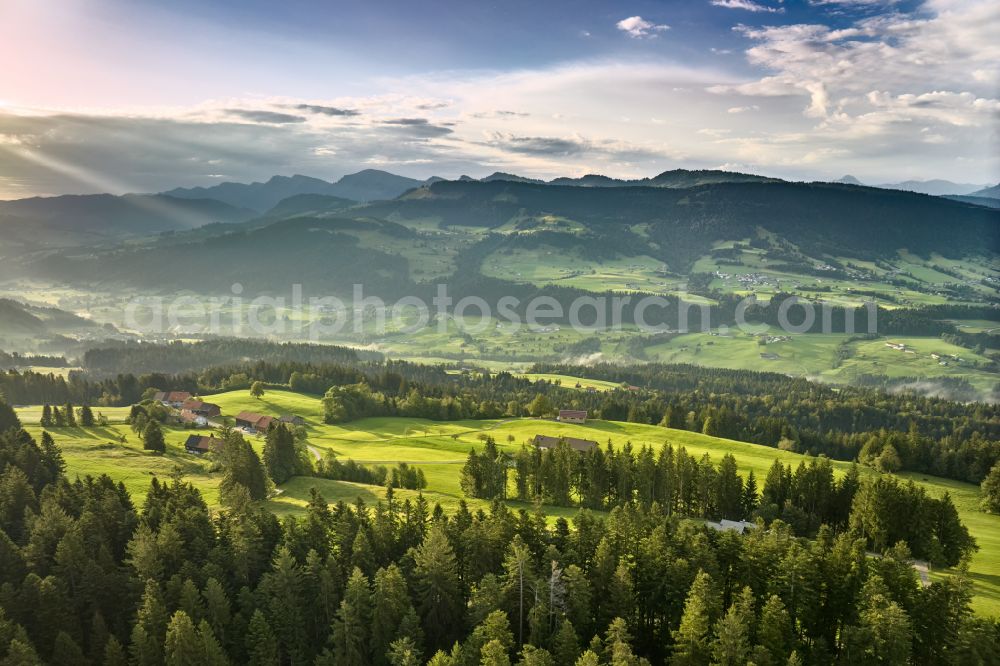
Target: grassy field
{"x": 439, "y": 449}
{"x": 567, "y": 381}
{"x": 33, "y": 414}
{"x": 813, "y": 355}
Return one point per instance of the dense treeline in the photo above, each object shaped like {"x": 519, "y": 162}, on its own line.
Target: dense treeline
{"x": 400, "y": 476}
{"x": 15, "y": 360}
{"x": 140, "y": 358}
{"x": 941, "y": 437}
{"x": 88, "y": 577}
{"x": 883, "y": 512}
{"x": 932, "y": 435}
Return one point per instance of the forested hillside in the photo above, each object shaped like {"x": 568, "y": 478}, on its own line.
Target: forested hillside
{"x": 89, "y": 577}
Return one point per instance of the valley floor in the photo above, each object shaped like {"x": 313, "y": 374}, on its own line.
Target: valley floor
{"x": 439, "y": 448}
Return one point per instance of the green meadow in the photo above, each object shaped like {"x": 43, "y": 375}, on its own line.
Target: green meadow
{"x": 440, "y": 448}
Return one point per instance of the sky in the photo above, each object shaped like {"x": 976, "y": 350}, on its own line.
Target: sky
{"x": 143, "y": 96}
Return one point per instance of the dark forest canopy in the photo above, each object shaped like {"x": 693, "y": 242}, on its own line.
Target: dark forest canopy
{"x": 181, "y": 357}
{"x": 89, "y": 577}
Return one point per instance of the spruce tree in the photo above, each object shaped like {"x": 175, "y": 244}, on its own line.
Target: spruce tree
{"x": 494, "y": 654}
{"x": 66, "y": 652}
{"x": 402, "y": 652}
{"x": 152, "y": 438}
{"x": 183, "y": 645}
{"x": 52, "y": 456}
{"x": 261, "y": 645}
{"x": 114, "y": 653}
{"x": 691, "y": 639}
{"x": 774, "y": 632}
{"x": 280, "y": 457}
{"x": 750, "y": 498}
{"x": 392, "y": 606}
{"x": 565, "y": 644}
{"x": 350, "y": 638}
{"x": 212, "y": 652}
{"x": 86, "y": 416}
{"x": 69, "y": 416}
{"x": 990, "y": 489}
{"x": 438, "y": 589}
{"x": 731, "y": 646}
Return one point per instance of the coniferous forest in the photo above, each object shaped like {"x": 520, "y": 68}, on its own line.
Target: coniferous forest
{"x": 90, "y": 577}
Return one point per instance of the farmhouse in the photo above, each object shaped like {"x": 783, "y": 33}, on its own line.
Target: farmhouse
{"x": 200, "y": 444}
{"x": 581, "y": 445}
{"x": 573, "y": 415}
{"x": 187, "y": 416}
{"x": 171, "y": 398}
{"x": 292, "y": 419}
{"x": 201, "y": 408}
{"x": 726, "y": 525}
{"x": 253, "y": 421}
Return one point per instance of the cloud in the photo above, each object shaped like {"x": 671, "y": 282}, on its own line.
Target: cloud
{"x": 742, "y": 109}
{"x": 500, "y": 113}
{"x": 264, "y": 116}
{"x": 748, "y": 5}
{"x": 537, "y": 145}
{"x": 417, "y": 127}
{"x": 639, "y": 28}
{"x": 325, "y": 110}
{"x": 433, "y": 106}
{"x": 569, "y": 146}
{"x": 885, "y": 97}
{"x": 853, "y": 2}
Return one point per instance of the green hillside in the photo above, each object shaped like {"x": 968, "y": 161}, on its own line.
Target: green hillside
{"x": 440, "y": 448}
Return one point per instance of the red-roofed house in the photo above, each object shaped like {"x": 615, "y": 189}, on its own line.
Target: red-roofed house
{"x": 547, "y": 442}
{"x": 201, "y": 408}
{"x": 573, "y": 415}
{"x": 253, "y": 421}
{"x": 200, "y": 444}
{"x": 172, "y": 398}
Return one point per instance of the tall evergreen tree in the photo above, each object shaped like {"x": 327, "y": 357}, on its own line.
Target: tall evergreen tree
{"x": 437, "y": 589}
{"x": 261, "y": 644}
{"x": 691, "y": 639}
{"x": 990, "y": 489}
{"x": 280, "y": 457}
{"x": 774, "y": 633}
{"x": 152, "y": 437}
{"x": 351, "y": 630}
{"x": 392, "y": 606}
{"x": 731, "y": 646}
{"x": 183, "y": 645}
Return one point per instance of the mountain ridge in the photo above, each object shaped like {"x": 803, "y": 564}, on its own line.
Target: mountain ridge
{"x": 365, "y": 185}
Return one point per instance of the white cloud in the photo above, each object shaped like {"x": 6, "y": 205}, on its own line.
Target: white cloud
{"x": 748, "y": 5}
{"x": 639, "y": 28}
{"x": 855, "y": 99}
{"x": 853, "y": 2}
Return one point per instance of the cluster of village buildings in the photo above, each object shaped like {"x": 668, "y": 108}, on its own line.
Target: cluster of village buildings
{"x": 192, "y": 410}
{"x": 189, "y": 410}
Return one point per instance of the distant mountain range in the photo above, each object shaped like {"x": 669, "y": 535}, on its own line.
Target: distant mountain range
{"x": 74, "y": 220}
{"x": 936, "y": 187}
{"x": 675, "y": 178}
{"x": 323, "y": 244}
{"x": 35, "y": 328}
{"x": 991, "y": 192}
{"x": 367, "y": 185}
{"x": 28, "y": 225}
